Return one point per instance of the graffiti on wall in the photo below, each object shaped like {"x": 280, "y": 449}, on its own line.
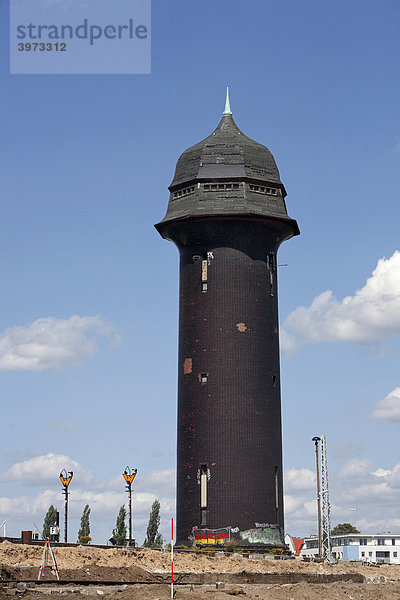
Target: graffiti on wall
{"x": 263, "y": 535}
{"x": 211, "y": 536}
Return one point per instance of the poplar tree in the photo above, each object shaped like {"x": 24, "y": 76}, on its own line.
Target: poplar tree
{"x": 119, "y": 533}
{"x": 84, "y": 531}
{"x": 153, "y": 537}
{"x": 50, "y": 520}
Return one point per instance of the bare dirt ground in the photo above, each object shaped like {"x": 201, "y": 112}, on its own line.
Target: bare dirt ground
{"x": 85, "y": 563}
{"x": 300, "y": 591}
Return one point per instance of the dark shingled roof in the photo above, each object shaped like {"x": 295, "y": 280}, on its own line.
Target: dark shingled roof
{"x": 227, "y": 156}
{"x": 227, "y": 152}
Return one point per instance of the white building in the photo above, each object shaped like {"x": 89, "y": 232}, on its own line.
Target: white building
{"x": 377, "y": 548}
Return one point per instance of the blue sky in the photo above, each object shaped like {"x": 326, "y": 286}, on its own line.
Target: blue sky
{"x": 85, "y": 163}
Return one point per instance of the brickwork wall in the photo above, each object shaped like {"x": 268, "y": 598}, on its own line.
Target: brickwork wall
{"x": 229, "y": 335}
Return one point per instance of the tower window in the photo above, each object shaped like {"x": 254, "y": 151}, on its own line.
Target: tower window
{"x": 203, "y": 494}
{"x": 220, "y": 187}
{"x": 271, "y": 264}
{"x": 204, "y": 266}
{"x": 274, "y": 381}
{"x": 260, "y": 189}
{"x": 203, "y": 378}
{"x": 204, "y": 275}
{"x": 276, "y": 492}
{"x": 184, "y": 192}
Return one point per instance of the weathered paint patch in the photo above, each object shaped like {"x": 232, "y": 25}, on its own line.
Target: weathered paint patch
{"x": 241, "y": 327}
{"x": 187, "y": 366}
{"x": 263, "y": 535}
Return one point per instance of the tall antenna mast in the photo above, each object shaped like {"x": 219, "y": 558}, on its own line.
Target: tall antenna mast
{"x": 316, "y": 440}
{"x": 326, "y": 505}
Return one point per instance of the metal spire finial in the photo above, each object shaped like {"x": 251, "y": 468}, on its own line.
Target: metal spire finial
{"x": 227, "y": 110}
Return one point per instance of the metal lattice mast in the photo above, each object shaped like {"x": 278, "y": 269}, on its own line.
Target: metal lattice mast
{"x": 326, "y": 505}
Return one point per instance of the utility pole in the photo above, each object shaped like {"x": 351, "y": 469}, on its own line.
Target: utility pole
{"x": 129, "y": 475}
{"x": 316, "y": 440}
{"x": 326, "y": 505}
{"x": 65, "y": 479}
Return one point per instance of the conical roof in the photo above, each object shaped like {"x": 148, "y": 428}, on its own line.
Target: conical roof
{"x": 227, "y": 175}
{"x": 227, "y": 152}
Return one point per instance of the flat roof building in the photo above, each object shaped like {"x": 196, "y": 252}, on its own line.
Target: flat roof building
{"x": 374, "y": 548}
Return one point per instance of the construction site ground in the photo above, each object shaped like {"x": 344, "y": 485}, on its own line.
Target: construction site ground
{"x": 122, "y": 574}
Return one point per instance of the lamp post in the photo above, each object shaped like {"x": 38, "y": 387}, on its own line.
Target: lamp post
{"x": 316, "y": 440}
{"x": 65, "y": 479}
{"x": 129, "y": 475}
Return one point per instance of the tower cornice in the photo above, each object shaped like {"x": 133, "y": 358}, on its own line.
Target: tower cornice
{"x": 282, "y": 223}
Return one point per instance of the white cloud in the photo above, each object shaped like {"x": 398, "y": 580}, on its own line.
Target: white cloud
{"x": 371, "y": 493}
{"x": 362, "y": 494}
{"x": 358, "y": 467}
{"x": 51, "y": 343}
{"x": 44, "y": 470}
{"x": 24, "y": 506}
{"x": 292, "y": 503}
{"x": 300, "y": 508}
{"x": 388, "y": 409}
{"x": 310, "y": 508}
{"x": 381, "y": 472}
{"x": 372, "y": 315}
{"x": 160, "y": 481}
{"x": 299, "y": 480}
{"x": 394, "y": 476}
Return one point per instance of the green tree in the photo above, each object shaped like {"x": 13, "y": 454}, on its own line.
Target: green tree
{"x": 153, "y": 537}
{"x": 119, "y": 533}
{"x": 343, "y": 529}
{"x": 50, "y": 520}
{"x": 84, "y": 531}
